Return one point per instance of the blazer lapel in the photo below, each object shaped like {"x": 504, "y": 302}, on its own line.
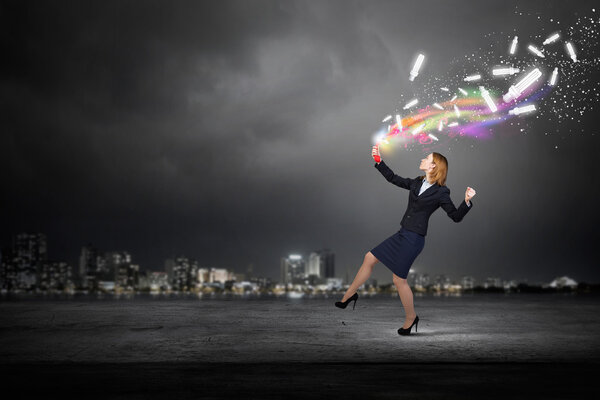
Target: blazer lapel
{"x": 427, "y": 191}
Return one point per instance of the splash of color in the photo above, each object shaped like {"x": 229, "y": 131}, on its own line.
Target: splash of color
{"x": 467, "y": 114}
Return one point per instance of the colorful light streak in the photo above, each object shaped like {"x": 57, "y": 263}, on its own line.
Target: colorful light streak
{"x": 474, "y": 121}
{"x": 481, "y": 107}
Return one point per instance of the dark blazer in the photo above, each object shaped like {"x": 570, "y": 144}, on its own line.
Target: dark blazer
{"x": 420, "y": 208}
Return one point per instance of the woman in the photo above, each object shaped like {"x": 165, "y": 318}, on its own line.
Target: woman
{"x": 398, "y": 252}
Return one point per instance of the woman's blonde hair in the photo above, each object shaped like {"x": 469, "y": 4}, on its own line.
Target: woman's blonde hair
{"x": 441, "y": 169}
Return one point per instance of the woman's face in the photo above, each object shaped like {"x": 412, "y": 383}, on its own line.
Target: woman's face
{"x": 427, "y": 164}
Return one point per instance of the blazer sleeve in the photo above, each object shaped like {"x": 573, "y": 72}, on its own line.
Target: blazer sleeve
{"x": 448, "y": 206}
{"x": 389, "y": 175}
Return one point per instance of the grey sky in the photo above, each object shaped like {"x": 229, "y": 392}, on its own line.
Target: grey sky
{"x": 240, "y": 132}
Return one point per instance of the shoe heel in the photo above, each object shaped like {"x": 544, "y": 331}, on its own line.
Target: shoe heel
{"x": 354, "y": 305}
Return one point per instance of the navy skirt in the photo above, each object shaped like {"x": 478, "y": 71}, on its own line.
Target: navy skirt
{"x": 399, "y": 251}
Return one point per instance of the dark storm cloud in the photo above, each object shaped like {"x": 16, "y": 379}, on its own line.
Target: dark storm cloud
{"x": 237, "y": 132}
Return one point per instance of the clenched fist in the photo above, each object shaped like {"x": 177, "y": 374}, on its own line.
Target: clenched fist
{"x": 469, "y": 194}
{"x": 375, "y": 154}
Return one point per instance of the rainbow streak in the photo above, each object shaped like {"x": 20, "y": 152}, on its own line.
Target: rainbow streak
{"x": 474, "y": 121}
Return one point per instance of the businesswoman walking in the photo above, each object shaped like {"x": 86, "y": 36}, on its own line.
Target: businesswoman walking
{"x": 426, "y": 194}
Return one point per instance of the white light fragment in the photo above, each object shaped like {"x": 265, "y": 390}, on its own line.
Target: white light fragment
{"x": 535, "y": 51}
{"x": 433, "y": 137}
{"x": 554, "y": 76}
{"x": 399, "y": 122}
{"x": 416, "y": 67}
{"x": 488, "y": 99}
{"x": 418, "y": 129}
{"x": 522, "y": 110}
{"x": 513, "y": 45}
{"x": 472, "y": 78}
{"x": 453, "y": 98}
{"x": 436, "y": 105}
{"x": 452, "y": 124}
{"x": 516, "y": 90}
{"x": 463, "y": 91}
{"x": 440, "y": 125}
{"x": 551, "y": 39}
{"x": 571, "y": 52}
{"x": 445, "y": 89}
{"x": 504, "y": 71}
{"x": 386, "y": 119}
{"x": 382, "y": 137}
{"x": 456, "y": 111}
{"x": 410, "y": 104}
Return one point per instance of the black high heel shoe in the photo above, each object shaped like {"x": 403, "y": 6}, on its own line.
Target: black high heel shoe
{"x": 406, "y": 331}
{"x": 343, "y": 304}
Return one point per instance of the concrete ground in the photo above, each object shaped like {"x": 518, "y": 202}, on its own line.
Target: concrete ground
{"x": 548, "y": 343}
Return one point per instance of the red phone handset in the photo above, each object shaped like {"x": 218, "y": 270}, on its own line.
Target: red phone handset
{"x": 375, "y": 154}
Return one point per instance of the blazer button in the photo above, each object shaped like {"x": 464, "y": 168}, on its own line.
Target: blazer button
{"x": 408, "y": 216}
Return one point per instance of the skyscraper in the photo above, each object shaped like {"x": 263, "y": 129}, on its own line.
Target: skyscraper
{"x": 55, "y": 275}
{"x": 182, "y": 273}
{"x": 292, "y": 269}
{"x": 125, "y": 274}
{"x": 88, "y": 264}
{"x": 29, "y": 255}
{"x": 8, "y": 270}
{"x": 321, "y": 263}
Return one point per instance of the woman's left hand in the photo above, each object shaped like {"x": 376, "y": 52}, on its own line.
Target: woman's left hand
{"x": 469, "y": 194}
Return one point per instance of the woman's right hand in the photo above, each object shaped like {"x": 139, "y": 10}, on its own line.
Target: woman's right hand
{"x": 375, "y": 154}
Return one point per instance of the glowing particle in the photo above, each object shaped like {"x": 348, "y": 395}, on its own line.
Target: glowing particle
{"x": 436, "y": 105}
{"x": 416, "y": 67}
{"x": 551, "y": 39}
{"x": 445, "y": 89}
{"x": 488, "y": 99}
{"x": 463, "y": 91}
{"x": 418, "y": 129}
{"x": 553, "y": 77}
{"x": 516, "y": 90}
{"x": 504, "y": 71}
{"x": 471, "y": 78}
{"x": 535, "y": 51}
{"x": 433, "y": 137}
{"x": 513, "y": 45}
{"x": 440, "y": 125}
{"x": 571, "y": 52}
{"x": 453, "y": 98}
{"x": 456, "y": 111}
{"x": 411, "y": 103}
{"x": 399, "y": 122}
{"x": 522, "y": 110}
{"x": 387, "y": 118}
{"x": 452, "y": 124}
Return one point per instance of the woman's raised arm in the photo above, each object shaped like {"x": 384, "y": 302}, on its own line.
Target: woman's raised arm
{"x": 387, "y": 173}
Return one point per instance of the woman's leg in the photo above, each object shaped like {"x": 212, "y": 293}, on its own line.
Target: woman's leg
{"x": 362, "y": 275}
{"x": 406, "y": 296}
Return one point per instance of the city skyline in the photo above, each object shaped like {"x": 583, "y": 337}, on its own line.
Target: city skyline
{"x": 25, "y": 265}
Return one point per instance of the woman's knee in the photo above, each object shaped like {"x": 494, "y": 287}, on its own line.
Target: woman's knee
{"x": 369, "y": 257}
{"x": 398, "y": 281}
